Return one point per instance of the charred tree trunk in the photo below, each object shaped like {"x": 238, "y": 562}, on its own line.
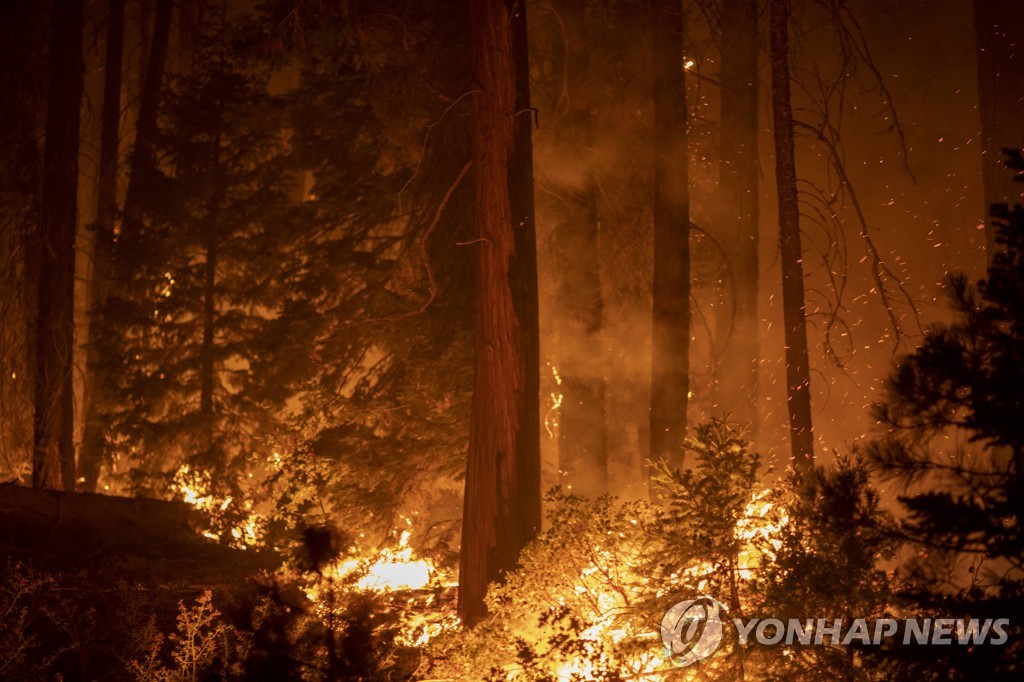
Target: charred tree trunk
{"x": 53, "y": 464}
{"x": 502, "y": 497}
{"x": 21, "y": 49}
{"x": 798, "y": 376}
{"x": 583, "y": 434}
{"x": 998, "y": 27}
{"x": 207, "y": 350}
{"x": 97, "y": 377}
{"x": 739, "y": 358}
{"x": 141, "y": 163}
{"x": 670, "y": 343}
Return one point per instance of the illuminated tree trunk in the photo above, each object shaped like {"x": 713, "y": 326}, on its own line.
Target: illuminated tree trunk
{"x": 670, "y": 343}
{"x": 583, "y": 434}
{"x": 502, "y": 496}
{"x": 738, "y": 326}
{"x": 798, "y": 378}
{"x": 999, "y": 27}
{"x": 97, "y": 376}
{"x": 53, "y": 464}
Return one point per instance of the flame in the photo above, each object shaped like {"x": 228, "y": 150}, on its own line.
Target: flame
{"x": 193, "y": 486}
{"x": 388, "y": 570}
{"x": 393, "y": 570}
{"x": 397, "y": 570}
{"x": 758, "y": 530}
{"x": 556, "y": 397}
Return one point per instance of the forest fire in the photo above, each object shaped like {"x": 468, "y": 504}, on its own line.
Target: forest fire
{"x": 195, "y": 487}
{"x": 390, "y": 569}
{"x": 501, "y": 340}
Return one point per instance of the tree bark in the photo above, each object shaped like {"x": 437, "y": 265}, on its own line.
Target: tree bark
{"x": 798, "y": 379}
{"x": 502, "y": 495}
{"x": 97, "y": 377}
{"x": 998, "y": 27}
{"x": 53, "y": 464}
{"x": 583, "y": 434}
{"x": 737, "y": 326}
{"x": 670, "y": 343}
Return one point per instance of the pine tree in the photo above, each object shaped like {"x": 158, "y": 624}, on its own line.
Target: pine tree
{"x": 955, "y": 438}
{"x": 211, "y": 232}
{"x": 373, "y": 344}
{"x": 828, "y": 561}
{"x": 1000, "y": 70}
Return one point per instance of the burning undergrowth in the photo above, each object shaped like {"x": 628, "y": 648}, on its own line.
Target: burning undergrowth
{"x": 587, "y": 599}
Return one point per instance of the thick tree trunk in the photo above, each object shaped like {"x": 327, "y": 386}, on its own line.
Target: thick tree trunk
{"x": 998, "y": 28}
{"x": 502, "y": 498}
{"x": 798, "y": 378}
{"x": 53, "y": 463}
{"x": 583, "y": 434}
{"x": 670, "y": 343}
{"x": 738, "y": 324}
{"x": 97, "y": 377}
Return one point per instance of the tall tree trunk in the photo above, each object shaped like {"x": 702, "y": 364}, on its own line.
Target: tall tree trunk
{"x": 502, "y": 497}
{"x": 583, "y": 434}
{"x": 740, "y": 357}
{"x": 207, "y": 350}
{"x": 22, "y": 44}
{"x": 97, "y": 377}
{"x": 141, "y": 164}
{"x": 53, "y": 463}
{"x": 670, "y": 343}
{"x": 999, "y": 34}
{"x": 798, "y": 377}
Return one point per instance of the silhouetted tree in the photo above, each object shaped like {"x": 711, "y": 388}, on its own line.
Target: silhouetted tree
{"x": 829, "y": 559}
{"x": 96, "y": 387}
{"x": 738, "y": 328}
{"x": 670, "y": 343}
{"x": 54, "y": 460}
{"x": 22, "y": 119}
{"x": 142, "y": 164}
{"x": 373, "y": 343}
{"x": 955, "y": 437}
{"x": 190, "y": 318}
{"x": 798, "y": 377}
{"x": 582, "y": 434}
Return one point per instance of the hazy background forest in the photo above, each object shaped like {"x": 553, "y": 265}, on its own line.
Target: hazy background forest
{"x": 451, "y": 338}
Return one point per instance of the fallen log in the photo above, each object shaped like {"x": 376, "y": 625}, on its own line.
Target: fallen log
{"x": 139, "y": 539}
